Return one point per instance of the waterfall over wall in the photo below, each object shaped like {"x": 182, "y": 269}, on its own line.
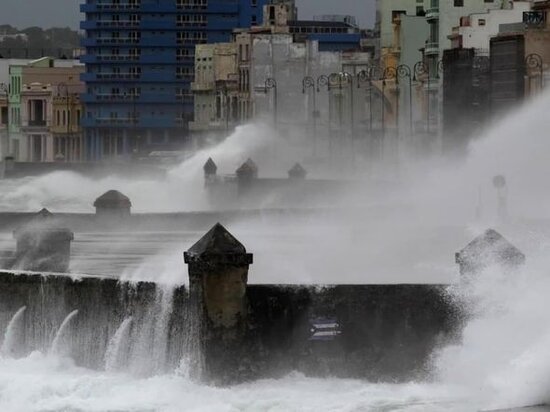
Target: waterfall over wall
{"x": 155, "y": 343}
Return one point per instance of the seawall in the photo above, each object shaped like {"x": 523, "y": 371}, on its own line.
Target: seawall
{"x": 382, "y": 332}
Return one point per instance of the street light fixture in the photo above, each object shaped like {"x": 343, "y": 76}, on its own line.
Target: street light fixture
{"x": 389, "y": 73}
{"x": 421, "y": 69}
{"x": 308, "y": 82}
{"x": 371, "y": 73}
{"x": 271, "y": 83}
{"x": 5, "y": 90}
{"x": 63, "y": 89}
{"x": 404, "y": 72}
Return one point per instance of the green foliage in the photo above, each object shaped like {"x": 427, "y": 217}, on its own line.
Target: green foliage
{"x": 38, "y": 40}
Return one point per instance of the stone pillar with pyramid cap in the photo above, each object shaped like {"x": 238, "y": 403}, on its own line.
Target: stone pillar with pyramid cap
{"x": 246, "y": 174}
{"x": 490, "y": 248}
{"x": 42, "y": 245}
{"x": 218, "y": 277}
{"x": 210, "y": 170}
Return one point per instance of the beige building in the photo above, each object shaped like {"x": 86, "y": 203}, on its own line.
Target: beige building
{"x": 215, "y": 88}
{"x": 46, "y": 112}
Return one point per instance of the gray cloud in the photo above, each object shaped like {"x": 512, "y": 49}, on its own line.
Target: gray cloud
{"x": 48, "y": 13}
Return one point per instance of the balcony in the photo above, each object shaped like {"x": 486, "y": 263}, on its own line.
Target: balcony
{"x": 129, "y": 122}
{"x": 99, "y": 7}
{"x": 120, "y": 58}
{"x": 106, "y": 24}
{"x": 108, "y": 41}
{"x": 163, "y": 98}
{"x": 34, "y": 125}
{"x": 431, "y": 49}
{"x": 432, "y": 14}
{"x": 202, "y": 86}
{"x": 91, "y": 77}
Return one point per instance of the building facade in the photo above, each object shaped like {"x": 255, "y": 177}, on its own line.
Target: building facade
{"x": 215, "y": 89}
{"x": 140, "y": 57}
{"x": 35, "y": 91}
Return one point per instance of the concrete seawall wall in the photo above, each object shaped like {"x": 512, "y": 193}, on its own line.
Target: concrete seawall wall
{"x": 380, "y": 332}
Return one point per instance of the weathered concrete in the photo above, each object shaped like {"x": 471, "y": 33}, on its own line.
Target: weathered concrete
{"x": 386, "y": 332}
{"x": 42, "y": 245}
{"x": 490, "y": 248}
{"x": 112, "y": 205}
{"x": 218, "y": 276}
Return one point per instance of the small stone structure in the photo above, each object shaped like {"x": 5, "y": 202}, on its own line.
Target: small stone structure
{"x": 112, "y": 204}
{"x": 246, "y": 174}
{"x": 41, "y": 246}
{"x": 297, "y": 172}
{"x": 218, "y": 276}
{"x": 210, "y": 170}
{"x": 488, "y": 249}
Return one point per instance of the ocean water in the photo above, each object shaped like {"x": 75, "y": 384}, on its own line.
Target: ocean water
{"x": 502, "y": 361}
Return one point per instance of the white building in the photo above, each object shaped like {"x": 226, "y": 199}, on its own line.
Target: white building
{"x": 475, "y": 31}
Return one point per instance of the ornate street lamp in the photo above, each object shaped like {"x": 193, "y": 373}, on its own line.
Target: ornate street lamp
{"x": 271, "y": 83}
{"x": 421, "y": 69}
{"x": 389, "y": 73}
{"x": 308, "y": 82}
{"x": 63, "y": 90}
{"x": 405, "y": 72}
{"x": 5, "y": 90}
{"x": 371, "y": 73}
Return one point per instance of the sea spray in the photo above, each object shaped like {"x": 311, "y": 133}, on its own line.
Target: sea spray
{"x": 149, "y": 346}
{"x": 181, "y": 190}
{"x": 503, "y": 356}
{"x": 117, "y": 344}
{"x": 10, "y": 336}
{"x": 56, "y": 347}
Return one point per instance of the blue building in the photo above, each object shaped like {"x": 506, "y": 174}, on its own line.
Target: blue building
{"x": 332, "y": 35}
{"x": 139, "y": 68}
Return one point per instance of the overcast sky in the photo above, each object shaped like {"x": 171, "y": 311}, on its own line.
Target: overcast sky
{"x": 48, "y": 13}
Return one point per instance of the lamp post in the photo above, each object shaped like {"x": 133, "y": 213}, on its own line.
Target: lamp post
{"x": 223, "y": 92}
{"x": 336, "y": 79}
{"x": 5, "y": 90}
{"x": 348, "y": 78}
{"x": 368, "y": 75}
{"x": 309, "y": 83}
{"x": 421, "y": 69}
{"x": 271, "y": 83}
{"x": 404, "y": 72}
{"x": 389, "y": 73}
{"x": 534, "y": 61}
{"x": 322, "y": 81}
{"x": 63, "y": 89}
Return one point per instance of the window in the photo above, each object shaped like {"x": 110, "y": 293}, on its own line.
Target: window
{"x": 254, "y": 20}
{"x": 481, "y": 22}
{"x": 459, "y": 3}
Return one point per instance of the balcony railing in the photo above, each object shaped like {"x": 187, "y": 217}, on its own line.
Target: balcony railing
{"x": 114, "y": 40}
{"x": 110, "y": 6}
{"x": 112, "y": 96}
{"x": 117, "y": 23}
{"x": 117, "y": 57}
{"x": 36, "y": 123}
{"x": 116, "y": 121}
{"x": 117, "y": 76}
